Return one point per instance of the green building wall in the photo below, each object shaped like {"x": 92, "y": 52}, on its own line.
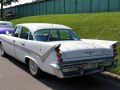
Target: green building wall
{"x": 64, "y": 7}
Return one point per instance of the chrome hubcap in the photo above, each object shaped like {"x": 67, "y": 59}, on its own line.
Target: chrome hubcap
{"x": 33, "y": 67}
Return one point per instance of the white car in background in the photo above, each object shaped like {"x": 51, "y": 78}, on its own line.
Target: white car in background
{"x": 57, "y": 50}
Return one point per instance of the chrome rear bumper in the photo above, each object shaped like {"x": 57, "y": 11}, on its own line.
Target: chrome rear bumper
{"x": 68, "y": 69}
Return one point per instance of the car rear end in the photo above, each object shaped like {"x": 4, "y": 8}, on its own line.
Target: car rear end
{"x": 77, "y": 62}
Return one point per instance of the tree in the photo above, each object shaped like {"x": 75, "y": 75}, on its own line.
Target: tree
{"x": 5, "y": 2}
{"x": 8, "y": 2}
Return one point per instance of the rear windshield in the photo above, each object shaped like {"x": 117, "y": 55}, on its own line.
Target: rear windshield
{"x": 55, "y": 35}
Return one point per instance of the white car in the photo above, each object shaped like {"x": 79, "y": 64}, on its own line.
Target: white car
{"x": 57, "y": 50}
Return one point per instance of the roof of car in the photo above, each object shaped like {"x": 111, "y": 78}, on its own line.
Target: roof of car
{"x": 6, "y": 23}
{"x": 37, "y": 26}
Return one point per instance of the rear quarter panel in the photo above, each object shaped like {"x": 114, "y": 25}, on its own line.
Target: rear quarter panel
{"x": 37, "y": 51}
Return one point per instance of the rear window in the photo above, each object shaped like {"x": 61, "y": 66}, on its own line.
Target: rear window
{"x": 42, "y": 35}
{"x": 55, "y": 35}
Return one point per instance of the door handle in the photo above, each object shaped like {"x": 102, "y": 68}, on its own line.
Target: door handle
{"x": 13, "y": 40}
{"x": 23, "y": 43}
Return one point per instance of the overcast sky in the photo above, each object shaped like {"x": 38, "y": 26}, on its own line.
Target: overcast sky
{"x": 20, "y": 2}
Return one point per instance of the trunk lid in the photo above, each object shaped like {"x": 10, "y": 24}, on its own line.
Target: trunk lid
{"x": 80, "y": 49}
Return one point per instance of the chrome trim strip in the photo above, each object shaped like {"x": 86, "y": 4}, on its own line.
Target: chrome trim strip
{"x": 43, "y": 57}
{"x": 84, "y": 56}
{"x": 57, "y": 70}
{"x": 59, "y": 73}
{"x": 106, "y": 59}
{"x": 49, "y": 52}
{"x": 83, "y": 64}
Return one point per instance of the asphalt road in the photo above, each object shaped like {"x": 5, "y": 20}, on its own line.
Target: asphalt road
{"x": 15, "y": 75}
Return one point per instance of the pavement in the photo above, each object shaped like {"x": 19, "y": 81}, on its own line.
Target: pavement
{"x": 15, "y": 75}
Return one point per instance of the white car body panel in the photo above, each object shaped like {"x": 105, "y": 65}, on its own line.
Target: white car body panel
{"x": 104, "y": 43}
{"x": 78, "y": 48}
{"x": 9, "y": 47}
{"x": 74, "y": 53}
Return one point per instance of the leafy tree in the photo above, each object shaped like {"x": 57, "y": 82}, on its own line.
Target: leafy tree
{"x": 8, "y": 2}
{"x": 5, "y": 2}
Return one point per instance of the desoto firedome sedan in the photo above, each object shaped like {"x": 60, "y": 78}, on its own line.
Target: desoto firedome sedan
{"x": 58, "y": 50}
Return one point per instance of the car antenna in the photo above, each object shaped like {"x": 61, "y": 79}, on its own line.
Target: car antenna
{"x": 103, "y": 31}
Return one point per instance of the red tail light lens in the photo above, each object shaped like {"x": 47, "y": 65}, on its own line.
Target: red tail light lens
{"x": 59, "y": 56}
{"x": 57, "y": 50}
{"x": 114, "y": 49}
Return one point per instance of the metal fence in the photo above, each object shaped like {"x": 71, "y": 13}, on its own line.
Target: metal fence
{"x": 64, "y": 7}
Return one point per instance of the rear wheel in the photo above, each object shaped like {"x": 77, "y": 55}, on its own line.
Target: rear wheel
{"x": 34, "y": 69}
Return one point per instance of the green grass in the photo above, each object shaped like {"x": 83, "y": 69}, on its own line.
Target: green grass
{"x": 88, "y": 25}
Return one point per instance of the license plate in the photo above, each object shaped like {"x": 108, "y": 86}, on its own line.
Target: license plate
{"x": 90, "y": 65}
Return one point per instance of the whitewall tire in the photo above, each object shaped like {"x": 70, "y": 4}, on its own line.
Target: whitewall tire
{"x": 34, "y": 69}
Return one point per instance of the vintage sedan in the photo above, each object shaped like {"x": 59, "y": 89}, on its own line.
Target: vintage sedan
{"x": 6, "y": 27}
{"x": 57, "y": 50}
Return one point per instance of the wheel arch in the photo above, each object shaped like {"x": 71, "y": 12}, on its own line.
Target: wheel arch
{"x": 27, "y": 58}
{"x": 0, "y": 42}
{"x": 39, "y": 72}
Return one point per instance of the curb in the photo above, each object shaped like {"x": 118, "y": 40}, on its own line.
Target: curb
{"x": 111, "y": 75}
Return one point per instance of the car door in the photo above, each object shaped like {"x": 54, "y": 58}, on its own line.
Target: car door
{"x": 10, "y": 45}
{"x": 20, "y": 44}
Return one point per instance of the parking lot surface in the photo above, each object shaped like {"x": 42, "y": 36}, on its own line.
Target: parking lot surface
{"x": 15, "y": 75}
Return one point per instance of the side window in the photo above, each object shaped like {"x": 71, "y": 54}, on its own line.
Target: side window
{"x": 24, "y": 33}
{"x": 17, "y": 32}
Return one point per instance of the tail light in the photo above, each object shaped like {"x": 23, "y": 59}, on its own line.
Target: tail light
{"x": 58, "y": 54}
{"x": 114, "y": 46}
